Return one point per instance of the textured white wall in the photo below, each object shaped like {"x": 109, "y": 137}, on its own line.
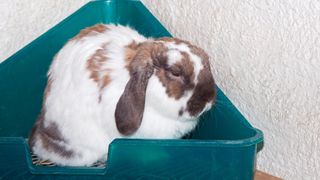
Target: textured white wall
{"x": 265, "y": 55}
{"x": 21, "y": 21}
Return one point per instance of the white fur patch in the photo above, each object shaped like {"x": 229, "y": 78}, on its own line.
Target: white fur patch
{"x": 173, "y": 57}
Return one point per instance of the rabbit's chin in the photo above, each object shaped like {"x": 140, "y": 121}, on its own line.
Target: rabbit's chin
{"x": 155, "y": 125}
{"x": 164, "y": 105}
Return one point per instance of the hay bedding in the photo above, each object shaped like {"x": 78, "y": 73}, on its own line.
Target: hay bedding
{"x": 47, "y": 163}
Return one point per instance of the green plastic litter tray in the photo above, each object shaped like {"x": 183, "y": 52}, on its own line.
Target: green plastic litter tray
{"x": 223, "y": 146}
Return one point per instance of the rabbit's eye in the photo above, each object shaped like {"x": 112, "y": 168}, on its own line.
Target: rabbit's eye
{"x": 175, "y": 73}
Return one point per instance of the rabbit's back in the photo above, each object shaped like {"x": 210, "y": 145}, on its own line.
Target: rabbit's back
{"x": 87, "y": 74}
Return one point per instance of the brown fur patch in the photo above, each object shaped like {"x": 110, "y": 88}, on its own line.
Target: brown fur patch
{"x": 173, "y": 88}
{"x": 91, "y": 31}
{"x": 187, "y": 67}
{"x": 105, "y": 81}
{"x": 130, "y": 52}
{"x": 95, "y": 63}
{"x": 95, "y": 67}
{"x": 204, "y": 91}
{"x": 176, "y": 86}
{"x": 51, "y": 140}
{"x": 143, "y": 54}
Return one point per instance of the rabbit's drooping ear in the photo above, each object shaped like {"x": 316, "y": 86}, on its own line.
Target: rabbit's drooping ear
{"x": 130, "y": 107}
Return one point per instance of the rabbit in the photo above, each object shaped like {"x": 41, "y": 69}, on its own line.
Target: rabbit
{"x": 111, "y": 82}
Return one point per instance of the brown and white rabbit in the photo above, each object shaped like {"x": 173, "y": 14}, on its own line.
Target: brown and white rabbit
{"x": 110, "y": 82}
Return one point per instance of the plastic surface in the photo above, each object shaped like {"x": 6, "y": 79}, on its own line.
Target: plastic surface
{"x": 223, "y": 146}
